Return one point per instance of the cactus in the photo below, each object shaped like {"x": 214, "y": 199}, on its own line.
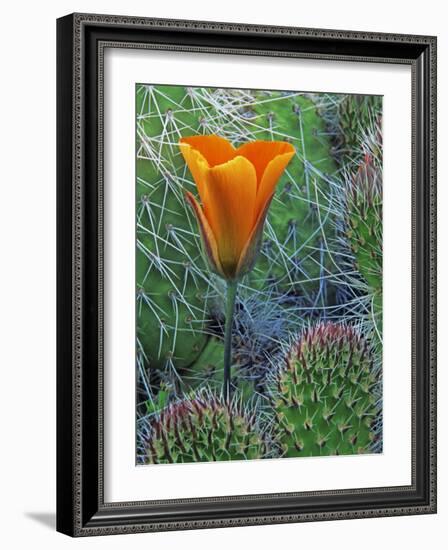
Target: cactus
{"x": 295, "y": 257}
{"x": 356, "y": 114}
{"x": 174, "y": 290}
{"x": 169, "y": 309}
{"x": 324, "y": 396}
{"x": 208, "y": 367}
{"x": 360, "y": 231}
{"x": 354, "y": 121}
{"x": 364, "y": 233}
{"x": 204, "y": 429}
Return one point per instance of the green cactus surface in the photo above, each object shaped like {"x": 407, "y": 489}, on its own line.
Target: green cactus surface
{"x": 356, "y": 114}
{"x": 323, "y": 396}
{"x": 364, "y": 233}
{"x": 299, "y": 226}
{"x": 172, "y": 291}
{"x": 204, "y": 429}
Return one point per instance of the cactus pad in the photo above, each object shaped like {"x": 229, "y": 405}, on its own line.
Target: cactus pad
{"x": 204, "y": 429}
{"x": 324, "y": 395}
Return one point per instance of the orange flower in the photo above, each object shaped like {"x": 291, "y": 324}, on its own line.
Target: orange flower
{"x": 235, "y": 187}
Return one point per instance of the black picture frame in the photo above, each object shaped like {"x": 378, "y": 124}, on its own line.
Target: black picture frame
{"x": 81, "y": 510}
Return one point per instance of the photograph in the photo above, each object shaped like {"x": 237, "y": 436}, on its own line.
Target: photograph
{"x": 258, "y": 246}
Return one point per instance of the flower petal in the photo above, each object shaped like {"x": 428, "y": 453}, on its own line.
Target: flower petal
{"x": 260, "y": 153}
{"x": 208, "y": 239}
{"x": 215, "y": 149}
{"x": 252, "y": 248}
{"x": 231, "y": 213}
{"x": 198, "y": 167}
{"x": 270, "y": 178}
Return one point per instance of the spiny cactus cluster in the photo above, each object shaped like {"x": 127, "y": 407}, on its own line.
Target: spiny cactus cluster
{"x": 323, "y": 396}
{"x": 204, "y": 429}
{"x": 323, "y": 401}
{"x": 356, "y": 114}
{"x": 364, "y": 213}
{"x": 361, "y": 228}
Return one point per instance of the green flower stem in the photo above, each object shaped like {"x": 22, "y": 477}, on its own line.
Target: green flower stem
{"x": 230, "y": 312}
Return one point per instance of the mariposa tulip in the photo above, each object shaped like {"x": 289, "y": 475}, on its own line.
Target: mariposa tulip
{"x": 236, "y": 187}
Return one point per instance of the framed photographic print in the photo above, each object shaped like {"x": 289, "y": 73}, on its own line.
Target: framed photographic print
{"x": 246, "y": 274}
